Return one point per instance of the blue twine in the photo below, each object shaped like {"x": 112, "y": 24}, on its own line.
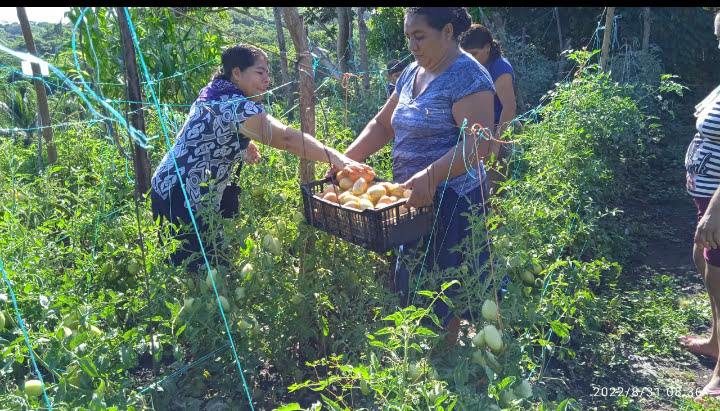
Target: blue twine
{"x": 106, "y": 215}
{"x": 185, "y": 368}
{"x": 25, "y": 334}
{"x": 97, "y": 225}
{"x": 13, "y": 129}
{"x": 20, "y": 73}
{"x": 34, "y": 59}
{"x": 596, "y": 37}
{"x": 547, "y": 281}
{"x": 134, "y": 133}
{"x": 550, "y": 334}
{"x": 437, "y": 214}
{"x": 615, "y": 31}
{"x": 187, "y": 201}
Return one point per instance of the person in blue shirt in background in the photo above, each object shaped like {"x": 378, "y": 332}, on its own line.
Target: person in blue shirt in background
{"x": 479, "y": 42}
{"x": 394, "y": 68}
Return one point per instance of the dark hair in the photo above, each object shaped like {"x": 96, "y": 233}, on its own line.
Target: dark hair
{"x": 477, "y": 37}
{"x": 395, "y": 65}
{"x": 438, "y": 17}
{"x": 239, "y": 55}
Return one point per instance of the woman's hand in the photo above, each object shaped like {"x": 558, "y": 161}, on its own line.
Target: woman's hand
{"x": 342, "y": 162}
{"x": 423, "y": 188}
{"x": 707, "y": 234}
{"x": 331, "y": 171}
{"x": 252, "y": 155}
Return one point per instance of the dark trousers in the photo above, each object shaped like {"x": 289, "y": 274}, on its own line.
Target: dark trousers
{"x": 173, "y": 210}
{"x": 451, "y": 231}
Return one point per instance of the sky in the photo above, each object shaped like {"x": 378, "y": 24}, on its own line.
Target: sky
{"x": 36, "y": 14}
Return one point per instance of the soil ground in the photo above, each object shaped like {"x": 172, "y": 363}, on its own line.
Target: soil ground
{"x": 656, "y": 381}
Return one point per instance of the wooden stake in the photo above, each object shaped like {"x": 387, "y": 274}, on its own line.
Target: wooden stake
{"x": 362, "y": 35}
{"x": 307, "y": 85}
{"x": 646, "y": 29}
{"x": 141, "y": 158}
{"x": 277, "y": 12}
{"x": 42, "y": 103}
{"x": 606, "y": 38}
{"x": 307, "y": 103}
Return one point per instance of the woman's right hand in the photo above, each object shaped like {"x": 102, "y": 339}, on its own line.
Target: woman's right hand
{"x": 707, "y": 233}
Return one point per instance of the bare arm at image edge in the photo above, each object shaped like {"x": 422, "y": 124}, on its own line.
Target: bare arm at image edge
{"x": 506, "y": 95}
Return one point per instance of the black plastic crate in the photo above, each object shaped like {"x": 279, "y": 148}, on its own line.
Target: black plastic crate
{"x": 376, "y": 230}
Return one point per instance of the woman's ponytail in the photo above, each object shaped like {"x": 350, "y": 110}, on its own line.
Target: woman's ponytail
{"x": 220, "y": 74}
{"x": 495, "y": 51}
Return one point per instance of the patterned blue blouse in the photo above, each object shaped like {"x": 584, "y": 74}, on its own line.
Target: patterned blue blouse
{"x": 425, "y": 128}
{"x": 207, "y": 141}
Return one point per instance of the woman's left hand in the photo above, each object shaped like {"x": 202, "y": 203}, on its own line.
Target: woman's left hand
{"x": 252, "y": 155}
{"x": 423, "y": 189}
{"x": 345, "y": 163}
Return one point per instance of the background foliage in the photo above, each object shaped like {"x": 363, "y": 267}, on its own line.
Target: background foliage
{"x": 333, "y": 335}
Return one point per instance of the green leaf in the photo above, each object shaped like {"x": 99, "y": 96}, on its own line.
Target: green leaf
{"x": 396, "y": 316}
{"x": 332, "y": 404}
{"x": 435, "y": 319}
{"x": 445, "y": 286}
{"x": 290, "y": 407}
{"x": 560, "y": 329}
{"x": 563, "y": 405}
{"x": 88, "y": 366}
{"x": 425, "y": 331}
{"x": 383, "y": 331}
{"x": 491, "y": 375}
{"x": 101, "y": 390}
{"x": 505, "y": 382}
{"x": 460, "y": 374}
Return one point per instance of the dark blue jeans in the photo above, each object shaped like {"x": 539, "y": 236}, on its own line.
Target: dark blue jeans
{"x": 451, "y": 231}
{"x": 173, "y": 210}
